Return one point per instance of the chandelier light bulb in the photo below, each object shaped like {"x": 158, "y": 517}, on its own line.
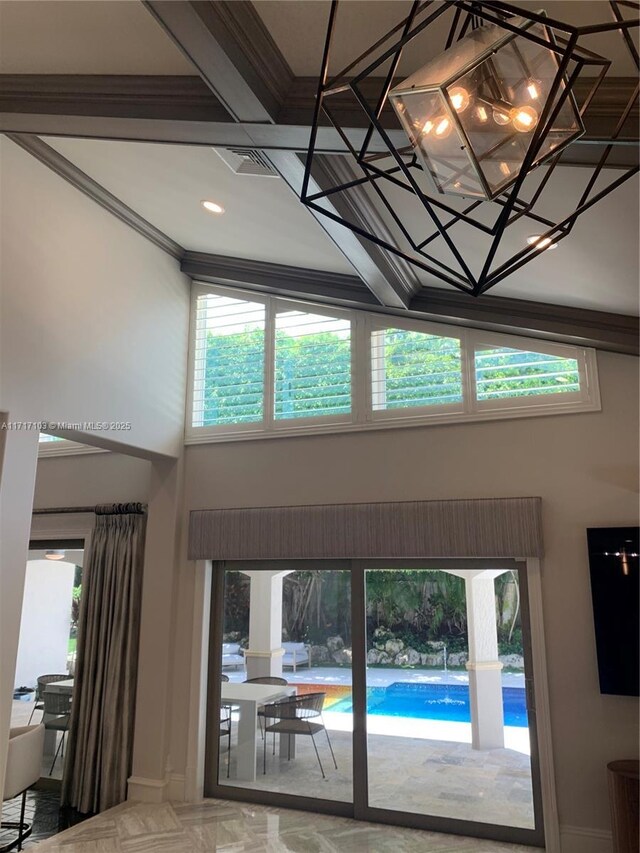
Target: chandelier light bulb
{"x": 427, "y": 127}
{"x": 501, "y": 118}
{"x": 544, "y": 243}
{"x": 482, "y": 114}
{"x": 533, "y": 90}
{"x": 459, "y": 98}
{"x": 524, "y": 119}
{"x": 443, "y": 128}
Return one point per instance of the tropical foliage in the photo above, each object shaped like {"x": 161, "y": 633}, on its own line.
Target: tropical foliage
{"x": 312, "y": 375}
{"x": 415, "y": 606}
{"x": 501, "y": 371}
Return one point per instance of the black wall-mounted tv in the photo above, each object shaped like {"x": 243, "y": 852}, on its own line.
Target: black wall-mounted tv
{"x": 614, "y": 569}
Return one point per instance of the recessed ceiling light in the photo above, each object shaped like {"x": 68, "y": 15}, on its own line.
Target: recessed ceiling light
{"x": 213, "y": 207}
{"x": 54, "y": 555}
{"x": 544, "y": 243}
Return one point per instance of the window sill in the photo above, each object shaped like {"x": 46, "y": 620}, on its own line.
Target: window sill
{"x": 203, "y": 435}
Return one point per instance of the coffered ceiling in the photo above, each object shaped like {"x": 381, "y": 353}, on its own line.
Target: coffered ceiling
{"x": 108, "y": 85}
{"x": 360, "y": 24}
{"x": 84, "y": 37}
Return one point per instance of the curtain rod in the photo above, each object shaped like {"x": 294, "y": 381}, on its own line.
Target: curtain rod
{"x": 59, "y": 510}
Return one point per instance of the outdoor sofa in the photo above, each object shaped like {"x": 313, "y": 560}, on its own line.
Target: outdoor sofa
{"x": 232, "y": 655}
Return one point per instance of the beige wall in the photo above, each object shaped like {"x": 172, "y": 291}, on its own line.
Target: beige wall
{"x": 90, "y": 479}
{"x": 94, "y": 316}
{"x": 93, "y": 327}
{"x": 584, "y": 467}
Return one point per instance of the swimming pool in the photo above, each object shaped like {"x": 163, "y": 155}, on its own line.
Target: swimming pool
{"x": 448, "y": 702}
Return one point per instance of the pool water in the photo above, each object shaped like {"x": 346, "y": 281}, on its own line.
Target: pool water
{"x": 449, "y": 702}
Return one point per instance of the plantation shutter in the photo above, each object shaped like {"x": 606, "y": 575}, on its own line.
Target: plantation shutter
{"x": 312, "y": 365}
{"x": 228, "y": 383}
{"x": 494, "y": 527}
{"x": 412, "y": 369}
{"x": 504, "y": 372}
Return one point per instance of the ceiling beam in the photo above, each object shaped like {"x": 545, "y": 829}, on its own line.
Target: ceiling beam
{"x": 220, "y": 134}
{"x": 390, "y": 279}
{"x": 172, "y": 97}
{"x": 578, "y": 326}
{"x": 249, "y": 83}
{"x": 183, "y": 109}
{"x": 241, "y": 64}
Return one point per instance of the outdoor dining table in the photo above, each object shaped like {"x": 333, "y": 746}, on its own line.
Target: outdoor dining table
{"x": 247, "y": 698}
{"x": 51, "y": 736}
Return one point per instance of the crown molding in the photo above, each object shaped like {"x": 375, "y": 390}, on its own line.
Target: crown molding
{"x": 95, "y": 191}
{"x": 184, "y": 109}
{"x": 181, "y": 98}
{"x": 563, "y": 324}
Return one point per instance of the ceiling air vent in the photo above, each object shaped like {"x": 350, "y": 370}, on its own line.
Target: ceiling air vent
{"x": 246, "y": 161}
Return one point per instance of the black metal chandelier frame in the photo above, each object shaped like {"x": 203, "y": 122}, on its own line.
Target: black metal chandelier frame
{"x": 571, "y": 59}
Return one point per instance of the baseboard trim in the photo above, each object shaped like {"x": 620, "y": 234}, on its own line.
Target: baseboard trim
{"x": 147, "y": 790}
{"x": 176, "y": 789}
{"x": 583, "y": 839}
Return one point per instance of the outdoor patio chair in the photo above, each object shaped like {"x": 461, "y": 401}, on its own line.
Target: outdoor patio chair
{"x": 297, "y": 715}
{"x": 265, "y": 679}
{"x": 58, "y": 707}
{"x": 43, "y": 680}
{"x": 296, "y": 654}
{"x": 224, "y": 677}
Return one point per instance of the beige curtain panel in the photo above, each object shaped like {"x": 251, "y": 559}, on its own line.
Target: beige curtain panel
{"x": 496, "y": 527}
{"x": 98, "y": 761}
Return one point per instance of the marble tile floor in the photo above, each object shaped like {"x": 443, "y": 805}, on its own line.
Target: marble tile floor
{"x": 425, "y": 777}
{"x": 219, "y": 826}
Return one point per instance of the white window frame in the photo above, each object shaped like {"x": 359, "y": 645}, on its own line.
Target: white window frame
{"x": 362, "y": 416}
{"x": 437, "y": 411}
{"x": 252, "y": 429}
{"x": 551, "y": 403}
{"x": 279, "y": 424}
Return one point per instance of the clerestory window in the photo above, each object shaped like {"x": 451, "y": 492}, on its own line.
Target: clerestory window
{"x": 263, "y": 365}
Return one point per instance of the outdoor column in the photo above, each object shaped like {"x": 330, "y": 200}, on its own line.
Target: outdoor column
{"x": 485, "y": 676}
{"x": 264, "y": 654}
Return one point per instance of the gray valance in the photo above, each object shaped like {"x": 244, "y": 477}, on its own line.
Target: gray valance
{"x": 492, "y": 527}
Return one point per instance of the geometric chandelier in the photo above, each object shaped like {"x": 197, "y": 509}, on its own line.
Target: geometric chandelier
{"x": 462, "y": 155}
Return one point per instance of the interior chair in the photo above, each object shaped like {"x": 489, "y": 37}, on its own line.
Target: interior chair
{"x": 297, "y": 715}
{"x": 225, "y": 731}
{"x": 225, "y": 722}
{"x": 265, "y": 679}
{"x": 24, "y": 760}
{"x": 57, "y": 712}
{"x": 43, "y": 680}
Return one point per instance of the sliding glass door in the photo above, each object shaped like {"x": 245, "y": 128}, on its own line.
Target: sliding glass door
{"x": 386, "y": 691}
{"x": 283, "y": 662}
{"x": 448, "y": 730}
